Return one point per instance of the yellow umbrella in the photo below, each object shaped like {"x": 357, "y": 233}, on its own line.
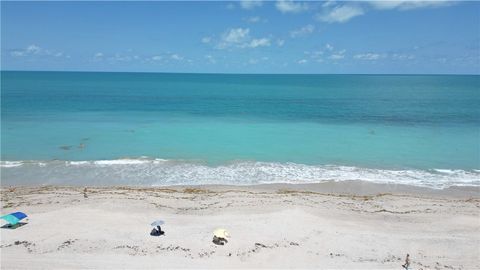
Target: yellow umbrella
{"x": 221, "y": 233}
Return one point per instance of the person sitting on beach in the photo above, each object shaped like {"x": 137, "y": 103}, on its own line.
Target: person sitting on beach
{"x": 219, "y": 240}
{"x": 157, "y": 231}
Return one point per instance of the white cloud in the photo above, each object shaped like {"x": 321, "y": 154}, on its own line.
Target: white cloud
{"x": 157, "y": 58}
{"x": 253, "y": 61}
{"x": 18, "y": 53}
{"x": 302, "y": 61}
{"x": 402, "y": 56}
{"x": 240, "y": 38}
{"x": 176, "y": 57}
{"x": 315, "y": 54}
{"x": 250, "y": 4}
{"x": 262, "y": 42}
{"x": 343, "y": 11}
{"x": 98, "y": 56}
{"x": 407, "y": 5}
{"x": 206, "y": 39}
{"x": 280, "y": 42}
{"x": 328, "y": 3}
{"x": 303, "y": 31}
{"x": 34, "y": 50}
{"x": 338, "y": 55}
{"x": 329, "y": 47}
{"x": 340, "y": 14}
{"x": 254, "y": 19}
{"x": 162, "y": 58}
{"x": 129, "y": 57}
{"x": 289, "y": 6}
{"x": 120, "y": 57}
{"x": 236, "y": 35}
{"x": 369, "y": 56}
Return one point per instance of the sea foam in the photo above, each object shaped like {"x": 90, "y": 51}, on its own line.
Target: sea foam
{"x": 161, "y": 172}
{"x": 9, "y": 164}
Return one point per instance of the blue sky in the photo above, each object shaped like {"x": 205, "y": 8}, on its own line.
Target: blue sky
{"x": 243, "y": 37}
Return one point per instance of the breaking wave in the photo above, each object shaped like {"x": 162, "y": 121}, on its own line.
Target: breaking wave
{"x": 161, "y": 172}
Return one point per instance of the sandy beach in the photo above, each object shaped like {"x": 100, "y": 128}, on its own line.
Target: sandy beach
{"x": 352, "y": 225}
{"x": 309, "y": 134}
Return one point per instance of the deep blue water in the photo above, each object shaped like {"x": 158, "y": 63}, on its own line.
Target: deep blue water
{"x": 217, "y": 128}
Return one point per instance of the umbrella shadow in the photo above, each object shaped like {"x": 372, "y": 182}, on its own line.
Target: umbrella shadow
{"x": 13, "y": 227}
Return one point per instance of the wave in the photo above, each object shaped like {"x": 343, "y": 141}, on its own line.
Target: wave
{"x": 162, "y": 172}
{"x": 9, "y": 164}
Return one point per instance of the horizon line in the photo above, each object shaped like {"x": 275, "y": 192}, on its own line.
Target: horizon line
{"x": 234, "y": 73}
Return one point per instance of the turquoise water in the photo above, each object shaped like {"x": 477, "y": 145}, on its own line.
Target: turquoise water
{"x": 156, "y": 129}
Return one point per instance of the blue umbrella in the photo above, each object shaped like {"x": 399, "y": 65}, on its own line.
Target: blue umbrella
{"x": 14, "y": 218}
{"x": 158, "y": 223}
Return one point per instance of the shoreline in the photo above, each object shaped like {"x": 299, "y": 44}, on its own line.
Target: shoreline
{"x": 367, "y": 226}
{"x": 350, "y": 187}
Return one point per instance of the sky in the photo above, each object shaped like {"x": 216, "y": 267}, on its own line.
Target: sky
{"x": 374, "y": 37}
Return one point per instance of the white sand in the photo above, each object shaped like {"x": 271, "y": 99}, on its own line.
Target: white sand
{"x": 270, "y": 228}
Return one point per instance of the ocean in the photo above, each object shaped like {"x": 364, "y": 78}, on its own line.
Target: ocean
{"x": 157, "y": 129}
